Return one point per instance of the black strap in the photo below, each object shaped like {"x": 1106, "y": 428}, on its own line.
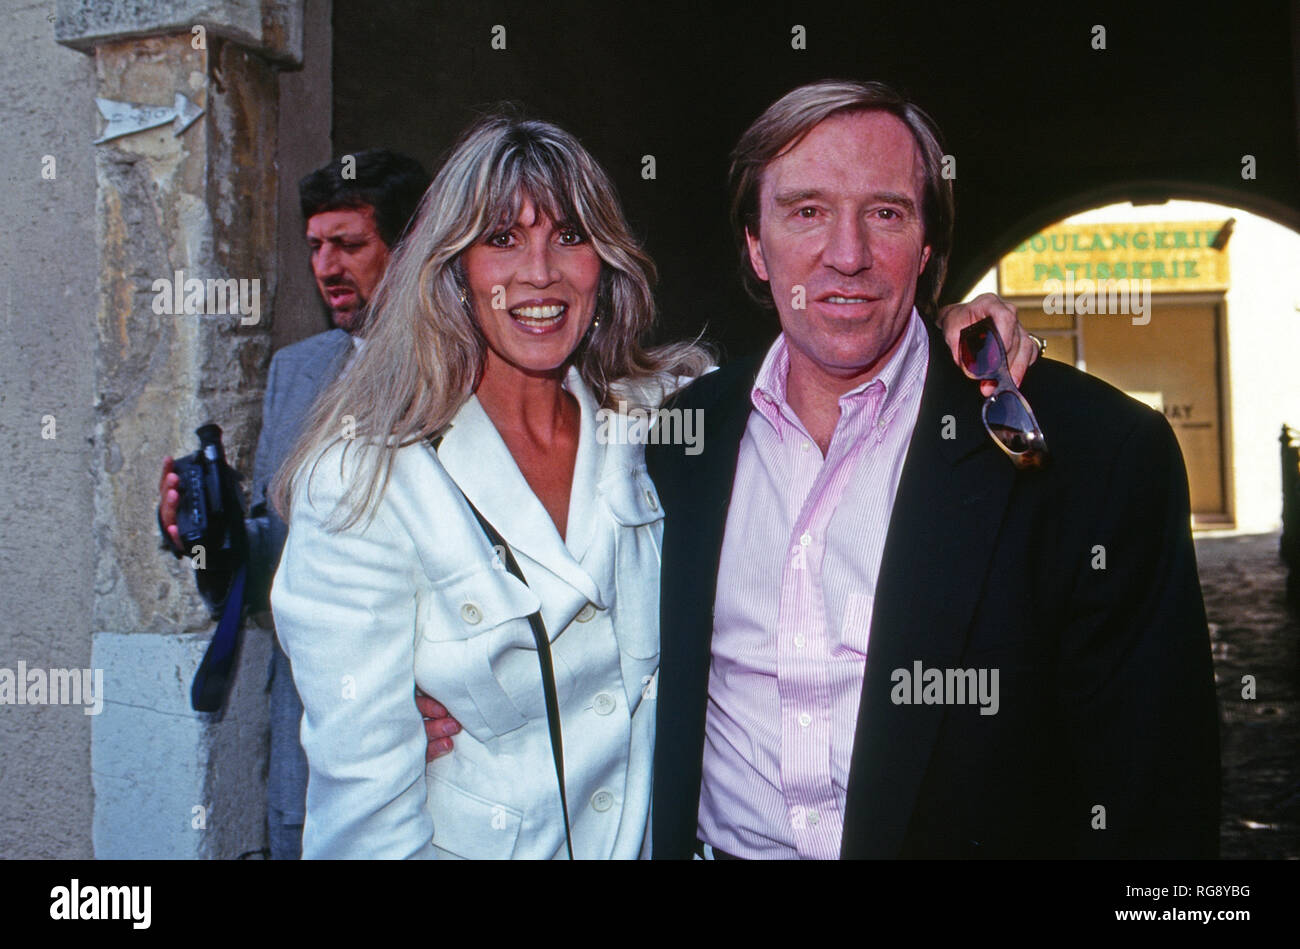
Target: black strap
{"x": 216, "y": 673}
{"x": 543, "y": 658}
{"x": 215, "y": 676}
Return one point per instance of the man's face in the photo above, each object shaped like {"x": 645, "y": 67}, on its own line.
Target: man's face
{"x": 841, "y": 243}
{"x": 348, "y": 259}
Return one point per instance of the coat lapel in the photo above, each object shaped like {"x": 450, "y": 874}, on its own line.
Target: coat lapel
{"x": 327, "y": 368}
{"x": 945, "y": 521}
{"x": 696, "y": 492}
{"x": 477, "y": 459}
{"x": 725, "y": 423}
{"x": 592, "y": 457}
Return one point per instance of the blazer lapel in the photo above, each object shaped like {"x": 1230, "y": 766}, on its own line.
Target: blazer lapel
{"x": 477, "y": 459}
{"x": 327, "y": 368}
{"x": 707, "y": 500}
{"x": 696, "y": 492}
{"x": 724, "y": 427}
{"x": 580, "y": 528}
{"x": 942, "y": 532}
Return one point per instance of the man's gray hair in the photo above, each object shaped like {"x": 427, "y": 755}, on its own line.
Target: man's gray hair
{"x": 783, "y": 126}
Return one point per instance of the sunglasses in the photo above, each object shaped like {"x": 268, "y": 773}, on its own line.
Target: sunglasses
{"x": 1007, "y": 416}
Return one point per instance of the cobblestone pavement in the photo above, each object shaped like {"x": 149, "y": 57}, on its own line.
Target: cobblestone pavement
{"x": 1254, "y": 633}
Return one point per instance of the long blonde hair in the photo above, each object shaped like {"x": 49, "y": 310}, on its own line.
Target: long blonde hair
{"x": 424, "y": 352}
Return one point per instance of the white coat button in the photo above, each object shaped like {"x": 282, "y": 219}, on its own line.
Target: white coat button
{"x": 471, "y": 614}
{"x": 602, "y": 801}
{"x": 805, "y": 719}
{"x": 806, "y": 539}
{"x": 586, "y": 613}
{"x": 651, "y": 499}
{"x": 604, "y": 703}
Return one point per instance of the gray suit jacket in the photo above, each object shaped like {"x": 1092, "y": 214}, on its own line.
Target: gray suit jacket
{"x": 299, "y": 373}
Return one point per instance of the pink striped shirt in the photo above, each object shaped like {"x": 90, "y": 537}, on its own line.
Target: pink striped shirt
{"x": 796, "y": 583}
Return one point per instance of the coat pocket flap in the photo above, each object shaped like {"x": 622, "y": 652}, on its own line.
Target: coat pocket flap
{"x": 466, "y": 825}
{"x": 475, "y": 602}
{"x": 459, "y": 636}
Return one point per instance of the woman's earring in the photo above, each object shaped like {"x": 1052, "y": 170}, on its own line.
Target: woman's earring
{"x": 464, "y": 298}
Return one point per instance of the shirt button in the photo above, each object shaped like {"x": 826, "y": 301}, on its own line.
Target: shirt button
{"x": 471, "y": 614}
{"x": 805, "y": 719}
{"x": 602, "y": 801}
{"x": 799, "y": 641}
{"x": 651, "y": 499}
{"x": 806, "y": 446}
{"x": 806, "y": 539}
{"x": 586, "y": 613}
{"x": 813, "y": 818}
{"x": 604, "y": 703}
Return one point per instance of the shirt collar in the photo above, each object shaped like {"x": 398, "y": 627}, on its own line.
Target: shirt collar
{"x": 895, "y": 378}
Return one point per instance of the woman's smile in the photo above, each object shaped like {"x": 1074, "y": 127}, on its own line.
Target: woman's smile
{"x": 533, "y": 288}
{"x": 540, "y": 316}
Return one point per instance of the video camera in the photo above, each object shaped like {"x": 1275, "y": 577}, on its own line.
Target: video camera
{"x": 210, "y": 519}
{"x": 211, "y": 512}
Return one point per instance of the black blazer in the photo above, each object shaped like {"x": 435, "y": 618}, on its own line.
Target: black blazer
{"x": 1106, "y": 687}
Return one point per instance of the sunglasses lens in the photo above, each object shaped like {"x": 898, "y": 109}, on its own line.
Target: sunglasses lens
{"x": 981, "y": 350}
{"x": 1010, "y": 421}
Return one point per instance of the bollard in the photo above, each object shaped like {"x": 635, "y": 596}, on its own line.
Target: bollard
{"x": 1290, "y": 543}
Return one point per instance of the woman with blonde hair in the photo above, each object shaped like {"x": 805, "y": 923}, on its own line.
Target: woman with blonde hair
{"x": 464, "y": 519}
{"x": 509, "y": 316}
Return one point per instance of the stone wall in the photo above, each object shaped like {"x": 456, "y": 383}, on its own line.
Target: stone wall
{"x": 101, "y": 380}
{"x": 47, "y": 362}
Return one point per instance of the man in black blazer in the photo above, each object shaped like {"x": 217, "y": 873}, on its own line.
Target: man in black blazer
{"x": 1069, "y": 592}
